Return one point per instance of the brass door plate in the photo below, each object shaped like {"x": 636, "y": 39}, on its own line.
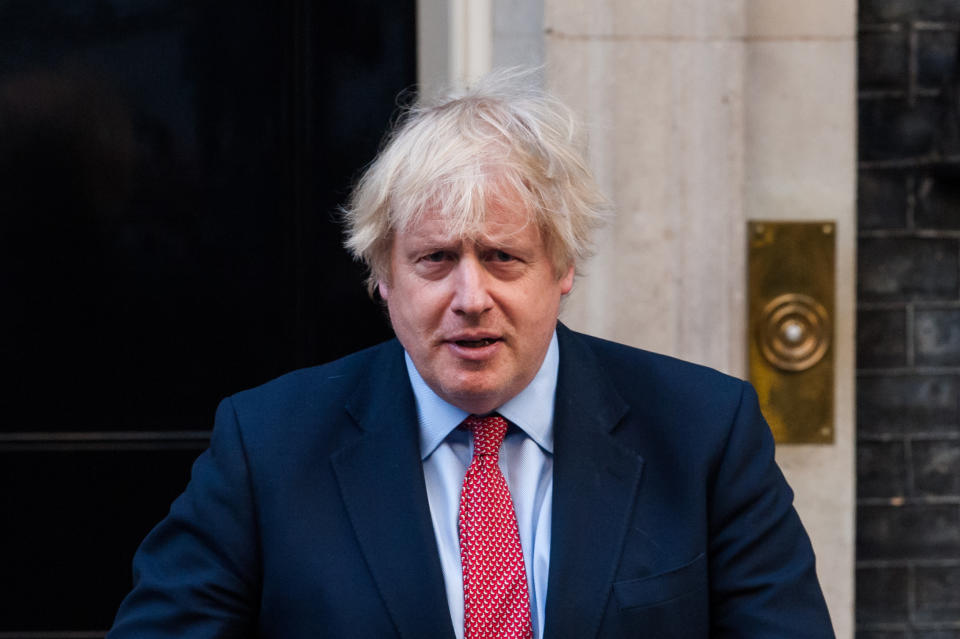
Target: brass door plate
{"x": 791, "y": 291}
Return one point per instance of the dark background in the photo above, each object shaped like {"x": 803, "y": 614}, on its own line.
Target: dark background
{"x": 170, "y": 173}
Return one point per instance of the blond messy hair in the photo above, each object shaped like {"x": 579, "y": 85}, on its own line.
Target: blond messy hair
{"x": 502, "y": 140}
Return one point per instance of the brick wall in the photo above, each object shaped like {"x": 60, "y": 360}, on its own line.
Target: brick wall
{"x": 908, "y": 324}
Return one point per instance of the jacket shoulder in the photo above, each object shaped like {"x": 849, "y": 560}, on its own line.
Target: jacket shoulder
{"x": 310, "y": 400}
{"x": 335, "y": 379}
{"x": 632, "y": 369}
{"x": 670, "y": 402}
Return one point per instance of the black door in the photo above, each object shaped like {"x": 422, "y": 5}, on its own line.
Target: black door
{"x": 169, "y": 179}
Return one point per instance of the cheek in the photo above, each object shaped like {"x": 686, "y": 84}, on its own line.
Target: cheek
{"x": 399, "y": 314}
{"x": 412, "y": 315}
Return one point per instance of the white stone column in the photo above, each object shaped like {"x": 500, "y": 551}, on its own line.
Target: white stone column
{"x": 662, "y": 93}
{"x": 454, "y": 42}
{"x": 460, "y": 40}
{"x": 703, "y": 114}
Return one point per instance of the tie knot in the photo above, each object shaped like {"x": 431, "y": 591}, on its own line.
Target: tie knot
{"x": 487, "y": 432}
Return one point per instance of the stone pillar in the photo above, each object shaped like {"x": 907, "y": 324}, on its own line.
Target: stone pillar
{"x": 454, "y": 42}
{"x": 702, "y": 115}
{"x": 662, "y": 93}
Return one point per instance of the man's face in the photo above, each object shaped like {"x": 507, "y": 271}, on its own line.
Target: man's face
{"x": 475, "y": 315}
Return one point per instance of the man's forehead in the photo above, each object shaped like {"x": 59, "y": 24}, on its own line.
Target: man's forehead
{"x": 493, "y": 227}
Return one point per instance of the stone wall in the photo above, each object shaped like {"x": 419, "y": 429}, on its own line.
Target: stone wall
{"x": 703, "y": 115}
{"x": 908, "y": 343}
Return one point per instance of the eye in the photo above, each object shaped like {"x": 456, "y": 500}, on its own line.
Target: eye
{"x": 436, "y": 256}
{"x": 503, "y": 256}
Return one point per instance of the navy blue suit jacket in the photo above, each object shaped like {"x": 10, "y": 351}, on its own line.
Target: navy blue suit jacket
{"x": 308, "y": 515}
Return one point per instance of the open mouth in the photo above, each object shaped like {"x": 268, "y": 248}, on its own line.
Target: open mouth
{"x": 476, "y": 343}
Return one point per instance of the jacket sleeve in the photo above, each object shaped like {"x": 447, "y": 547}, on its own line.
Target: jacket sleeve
{"x": 762, "y": 576}
{"x": 197, "y": 574}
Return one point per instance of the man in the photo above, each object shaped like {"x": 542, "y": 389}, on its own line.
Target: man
{"x": 490, "y": 473}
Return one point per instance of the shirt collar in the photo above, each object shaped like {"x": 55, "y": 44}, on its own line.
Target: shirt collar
{"x": 531, "y": 409}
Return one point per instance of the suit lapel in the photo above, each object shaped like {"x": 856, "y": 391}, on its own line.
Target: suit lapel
{"x": 595, "y": 483}
{"x": 381, "y": 480}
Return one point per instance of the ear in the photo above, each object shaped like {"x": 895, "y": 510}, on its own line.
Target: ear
{"x": 383, "y": 289}
{"x": 566, "y": 281}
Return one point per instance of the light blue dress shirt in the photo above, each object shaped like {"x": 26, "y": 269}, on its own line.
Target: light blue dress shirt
{"x": 526, "y": 460}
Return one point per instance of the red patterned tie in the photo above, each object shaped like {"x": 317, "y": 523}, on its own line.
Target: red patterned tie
{"x": 495, "y": 598}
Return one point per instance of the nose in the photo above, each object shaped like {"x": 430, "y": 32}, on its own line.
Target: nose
{"x": 471, "y": 295}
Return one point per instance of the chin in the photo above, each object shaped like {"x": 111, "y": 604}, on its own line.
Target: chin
{"x": 474, "y": 400}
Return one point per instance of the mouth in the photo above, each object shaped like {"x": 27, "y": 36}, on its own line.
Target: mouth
{"x": 476, "y": 343}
